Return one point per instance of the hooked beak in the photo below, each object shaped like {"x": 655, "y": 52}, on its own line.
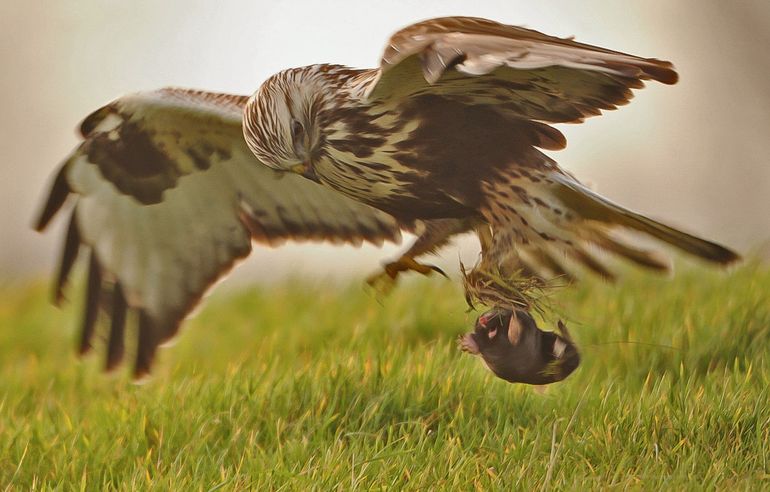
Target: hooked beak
{"x": 306, "y": 170}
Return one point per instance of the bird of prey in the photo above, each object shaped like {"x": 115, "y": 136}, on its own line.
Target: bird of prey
{"x": 171, "y": 187}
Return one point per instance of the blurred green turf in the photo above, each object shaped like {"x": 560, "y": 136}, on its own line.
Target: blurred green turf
{"x": 311, "y": 386}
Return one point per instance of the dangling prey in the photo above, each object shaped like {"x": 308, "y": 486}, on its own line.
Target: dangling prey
{"x": 516, "y": 350}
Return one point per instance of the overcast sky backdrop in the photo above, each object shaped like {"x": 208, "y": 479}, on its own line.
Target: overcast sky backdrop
{"x": 694, "y": 154}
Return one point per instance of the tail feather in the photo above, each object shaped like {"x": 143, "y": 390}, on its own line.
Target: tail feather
{"x": 589, "y": 261}
{"x": 590, "y": 206}
{"x": 547, "y": 260}
{"x": 647, "y": 259}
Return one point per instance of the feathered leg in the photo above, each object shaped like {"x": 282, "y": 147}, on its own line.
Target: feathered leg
{"x": 436, "y": 233}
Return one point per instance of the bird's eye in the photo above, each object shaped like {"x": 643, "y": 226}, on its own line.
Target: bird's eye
{"x": 296, "y": 129}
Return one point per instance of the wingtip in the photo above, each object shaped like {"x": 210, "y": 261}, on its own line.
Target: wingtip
{"x": 84, "y": 349}
{"x": 662, "y": 71}
{"x": 115, "y": 341}
{"x": 141, "y": 377}
{"x": 146, "y": 347}
{"x": 716, "y": 253}
{"x": 91, "y": 306}
{"x": 60, "y": 190}
{"x": 68, "y": 257}
{"x": 726, "y": 256}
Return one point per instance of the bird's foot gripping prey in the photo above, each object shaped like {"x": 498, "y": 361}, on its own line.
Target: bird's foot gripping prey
{"x": 516, "y": 350}
{"x": 169, "y": 188}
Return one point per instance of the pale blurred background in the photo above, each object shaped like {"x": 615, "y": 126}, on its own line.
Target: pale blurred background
{"x": 693, "y": 154}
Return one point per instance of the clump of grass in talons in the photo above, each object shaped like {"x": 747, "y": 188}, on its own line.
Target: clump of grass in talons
{"x": 303, "y": 386}
{"x": 491, "y": 287}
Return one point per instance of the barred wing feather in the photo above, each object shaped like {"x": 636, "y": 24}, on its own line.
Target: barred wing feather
{"x": 167, "y": 198}
{"x": 523, "y": 73}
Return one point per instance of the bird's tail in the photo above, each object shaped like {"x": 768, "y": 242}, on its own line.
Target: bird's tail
{"x": 590, "y": 206}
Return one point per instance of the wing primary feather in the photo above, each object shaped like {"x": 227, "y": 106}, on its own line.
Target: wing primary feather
{"x": 91, "y": 310}
{"x": 550, "y": 79}
{"x": 146, "y": 346}
{"x": 60, "y": 190}
{"x": 141, "y": 256}
{"x": 116, "y": 344}
{"x": 68, "y": 257}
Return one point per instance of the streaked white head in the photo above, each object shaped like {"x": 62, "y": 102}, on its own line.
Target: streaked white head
{"x": 281, "y": 121}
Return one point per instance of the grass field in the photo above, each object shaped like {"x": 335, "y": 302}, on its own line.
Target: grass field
{"x": 307, "y": 386}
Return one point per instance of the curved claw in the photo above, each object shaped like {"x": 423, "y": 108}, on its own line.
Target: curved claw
{"x": 437, "y": 270}
{"x": 383, "y": 281}
{"x": 405, "y": 264}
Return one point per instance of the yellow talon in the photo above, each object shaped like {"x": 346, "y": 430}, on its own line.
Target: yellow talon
{"x": 405, "y": 264}
{"x": 384, "y": 281}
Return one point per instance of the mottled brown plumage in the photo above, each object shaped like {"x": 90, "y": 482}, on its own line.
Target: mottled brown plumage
{"x": 445, "y": 136}
{"x": 451, "y": 126}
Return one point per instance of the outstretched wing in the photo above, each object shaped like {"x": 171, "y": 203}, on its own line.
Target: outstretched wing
{"x": 493, "y": 88}
{"x": 523, "y": 73}
{"x": 168, "y": 197}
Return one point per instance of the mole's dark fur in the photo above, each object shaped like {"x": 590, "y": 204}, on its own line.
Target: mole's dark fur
{"x": 516, "y": 350}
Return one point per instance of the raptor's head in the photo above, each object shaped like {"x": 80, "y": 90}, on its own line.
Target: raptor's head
{"x": 281, "y": 121}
